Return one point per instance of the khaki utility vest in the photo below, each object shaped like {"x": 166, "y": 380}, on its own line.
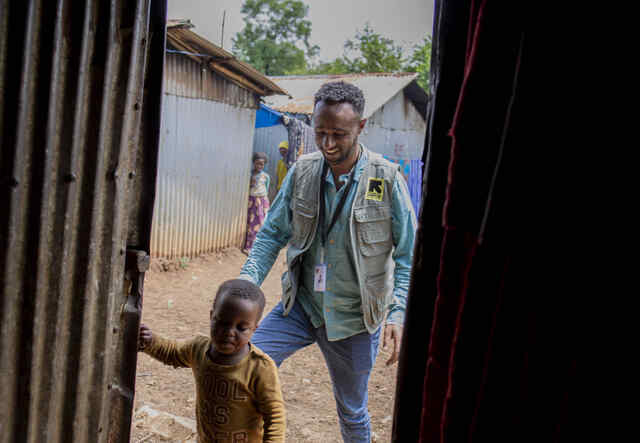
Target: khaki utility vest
{"x": 369, "y": 227}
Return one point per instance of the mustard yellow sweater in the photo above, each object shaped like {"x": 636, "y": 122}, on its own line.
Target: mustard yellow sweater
{"x": 234, "y": 404}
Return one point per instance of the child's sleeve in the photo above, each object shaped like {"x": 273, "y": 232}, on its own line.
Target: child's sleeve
{"x": 171, "y": 352}
{"x": 270, "y": 402}
{"x": 268, "y": 183}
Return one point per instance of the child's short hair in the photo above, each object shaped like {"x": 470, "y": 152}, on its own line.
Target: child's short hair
{"x": 259, "y": 156}
{"x": 243, "y": 289}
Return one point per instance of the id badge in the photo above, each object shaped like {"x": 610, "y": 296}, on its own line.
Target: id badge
{"x": 320, "y": 278}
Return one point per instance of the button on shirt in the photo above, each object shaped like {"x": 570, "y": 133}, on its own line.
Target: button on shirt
{"x": 339, "y": 307}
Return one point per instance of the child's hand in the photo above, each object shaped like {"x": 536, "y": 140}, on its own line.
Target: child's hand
{"x": 144, "y": 336}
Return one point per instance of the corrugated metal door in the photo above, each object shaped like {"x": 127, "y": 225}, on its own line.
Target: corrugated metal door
{"x": 80, "y": 91}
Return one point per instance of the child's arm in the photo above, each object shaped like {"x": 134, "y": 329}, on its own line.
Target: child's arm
{"x": 167, "y": 351}
{"x": 270, "y": 402}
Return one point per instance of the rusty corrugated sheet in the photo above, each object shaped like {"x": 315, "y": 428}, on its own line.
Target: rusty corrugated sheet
{"x": 186, "y": 78}
{"x": 77, "y": 171}
{"x": 181, "y": 38}
{"x": 204, "y": 162}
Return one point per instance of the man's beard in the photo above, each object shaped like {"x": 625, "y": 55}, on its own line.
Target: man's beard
{"x": 345, "y": 155}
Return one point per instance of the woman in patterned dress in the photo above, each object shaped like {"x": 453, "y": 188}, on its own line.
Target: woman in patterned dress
{"x": 258, "y": 199}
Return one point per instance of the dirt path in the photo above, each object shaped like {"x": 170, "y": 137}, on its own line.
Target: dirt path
{"x": 176, "y": 305}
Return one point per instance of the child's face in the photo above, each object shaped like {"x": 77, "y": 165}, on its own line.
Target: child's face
{"x": 283, "y": 152}
{"x": 258, "y": 165}
{"x": 233, "y": 322}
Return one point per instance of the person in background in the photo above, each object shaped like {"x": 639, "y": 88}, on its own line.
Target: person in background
{"x": 282, "y": 168}
{"x": 345, "y": 216}
{"x": 258, "y": 199}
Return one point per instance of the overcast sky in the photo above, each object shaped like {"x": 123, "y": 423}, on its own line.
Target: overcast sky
{"x": 332, "y": 21}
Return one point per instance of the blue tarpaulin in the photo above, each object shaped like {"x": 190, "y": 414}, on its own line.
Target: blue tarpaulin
{"x": 412, "y": 172}
{"x": 265, "y": 117}
{"x": 415, "y": 184}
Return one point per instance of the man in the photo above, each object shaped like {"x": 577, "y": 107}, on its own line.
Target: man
{"x": 346, "y": 216}
{"x": 282, "y": 167}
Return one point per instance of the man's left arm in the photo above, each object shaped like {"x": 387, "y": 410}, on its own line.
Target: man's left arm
{"x": 403, "y": 226}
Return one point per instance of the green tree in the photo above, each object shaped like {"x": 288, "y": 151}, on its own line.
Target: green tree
{"x": 420, "y": 62}
{"x": 275, "y": 38}
{"x": 337, "y": 66}
{"x": 368, "y": 51}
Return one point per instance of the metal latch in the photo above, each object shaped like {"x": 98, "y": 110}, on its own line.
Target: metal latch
{"x": 122, "y": 384}
{"x": 136, "y": 264}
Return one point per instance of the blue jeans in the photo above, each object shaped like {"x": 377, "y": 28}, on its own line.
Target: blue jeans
{"x": 349, "y": 362}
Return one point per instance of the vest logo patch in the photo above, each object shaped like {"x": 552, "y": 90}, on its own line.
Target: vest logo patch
{"x": 375, "y": 189}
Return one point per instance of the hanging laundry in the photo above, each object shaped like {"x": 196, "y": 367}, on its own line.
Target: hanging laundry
{"x": 301, "y": 138}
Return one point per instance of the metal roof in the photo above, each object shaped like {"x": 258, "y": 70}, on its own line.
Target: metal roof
{"x": 180, "y": 38}
{"x": 378, "y": 89}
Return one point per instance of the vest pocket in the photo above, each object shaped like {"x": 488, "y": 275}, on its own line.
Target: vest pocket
{"x": 377, "y": 289}
{"x": 374, "y": 230}
{"x": 372, "y": 213}
{"x": 304, "y": 215}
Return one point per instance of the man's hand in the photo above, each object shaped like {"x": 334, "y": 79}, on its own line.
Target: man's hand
{"x": 392, "y": 335}
{"x": 144, "y": 336}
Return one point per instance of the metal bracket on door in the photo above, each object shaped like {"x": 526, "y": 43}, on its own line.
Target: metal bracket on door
{"x": 123, "y": 383}
{"x": 136, "y": 264}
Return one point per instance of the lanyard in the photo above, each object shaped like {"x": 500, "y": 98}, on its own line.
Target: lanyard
{"x": 343, "y": 199}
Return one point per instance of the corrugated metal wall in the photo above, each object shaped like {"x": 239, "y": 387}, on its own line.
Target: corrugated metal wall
{"x": 75, "y": 81}
{"x": 267, "y": 140}
{"x": 396, "y": 130}
{"x": 204, "y": 162}
{"x": 185, "y": 77}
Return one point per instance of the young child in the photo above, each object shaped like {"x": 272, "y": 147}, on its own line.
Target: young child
{"x": 238, "y": 396}
{"x": 258, "y": 199}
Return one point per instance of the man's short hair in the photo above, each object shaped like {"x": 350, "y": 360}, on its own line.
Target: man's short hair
{"x": 341, "y": 92}
{"x": 242, "y": 289}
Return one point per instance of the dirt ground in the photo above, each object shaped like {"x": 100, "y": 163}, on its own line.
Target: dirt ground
{"x": 177, "y": 299}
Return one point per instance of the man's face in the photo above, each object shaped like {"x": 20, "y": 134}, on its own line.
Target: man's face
{"x": 233, "y": 322}
{"x": 283, "y": 152}
{"x": 337, "y": 127}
